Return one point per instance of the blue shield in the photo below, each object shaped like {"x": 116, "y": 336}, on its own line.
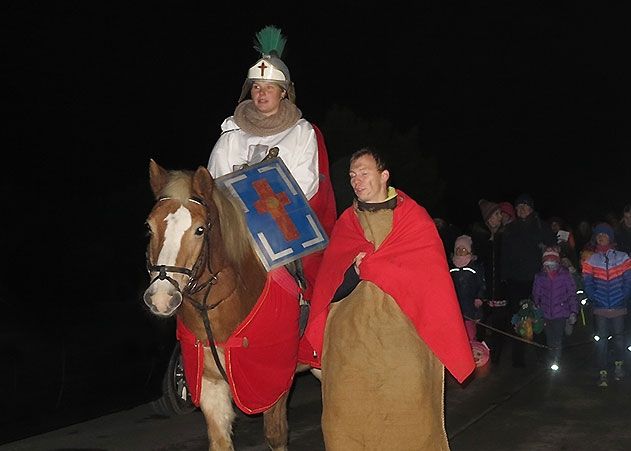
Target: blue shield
{"x": 282, "y": 225}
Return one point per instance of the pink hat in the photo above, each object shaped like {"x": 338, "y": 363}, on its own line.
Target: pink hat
{"x": 550, "y": 255}
{"x": 507, "y": 208}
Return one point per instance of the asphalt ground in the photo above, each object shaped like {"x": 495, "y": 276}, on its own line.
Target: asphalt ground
{"x": 498, "y": 408}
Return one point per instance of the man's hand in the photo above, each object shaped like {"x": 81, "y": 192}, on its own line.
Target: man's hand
{"x": 478, "y": 303}
{"x": 358, "y": 261}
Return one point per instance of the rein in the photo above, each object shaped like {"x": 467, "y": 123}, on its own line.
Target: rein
{"x": 193, "y": 287}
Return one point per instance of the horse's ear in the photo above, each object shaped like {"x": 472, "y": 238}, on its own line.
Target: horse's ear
{"x": 203, "y": 183}
{"x": 157, "y": 177}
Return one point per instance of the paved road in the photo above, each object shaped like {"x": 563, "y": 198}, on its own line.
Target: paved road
{"x": 501, "y": 408}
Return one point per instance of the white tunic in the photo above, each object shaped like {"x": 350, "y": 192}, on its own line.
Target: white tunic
{"x": 298, "y": 148}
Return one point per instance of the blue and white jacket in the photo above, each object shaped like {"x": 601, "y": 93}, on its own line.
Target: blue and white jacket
{"x": 607, "y": 279}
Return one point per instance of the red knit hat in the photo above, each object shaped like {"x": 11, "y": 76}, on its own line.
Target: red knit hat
{"x": 507, "y": 208}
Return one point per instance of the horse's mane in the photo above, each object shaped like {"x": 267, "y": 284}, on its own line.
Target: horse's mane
{"x": 234, "y": 230}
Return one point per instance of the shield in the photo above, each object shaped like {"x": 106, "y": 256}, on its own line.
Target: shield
{"x": 282, "y": 225}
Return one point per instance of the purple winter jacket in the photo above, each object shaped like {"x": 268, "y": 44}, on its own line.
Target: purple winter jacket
{"x": 555, "y": 296}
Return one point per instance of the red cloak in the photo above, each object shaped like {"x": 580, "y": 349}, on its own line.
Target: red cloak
{"x": 411, "y": 266}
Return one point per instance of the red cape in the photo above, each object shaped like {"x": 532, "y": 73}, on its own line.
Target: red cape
{"x": 323, "y": 204}
{"x": 411, "y": 266}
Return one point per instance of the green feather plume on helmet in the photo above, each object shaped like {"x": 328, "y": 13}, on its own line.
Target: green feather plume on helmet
{"x": 270, "y": 40}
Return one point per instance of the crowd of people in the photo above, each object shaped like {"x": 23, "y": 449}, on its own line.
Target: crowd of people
{"x": 525, "y": 258}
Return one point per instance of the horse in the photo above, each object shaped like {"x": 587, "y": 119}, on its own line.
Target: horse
{"x": 205, "y": 272}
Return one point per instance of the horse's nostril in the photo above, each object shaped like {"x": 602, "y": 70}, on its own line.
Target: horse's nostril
{"x": 176, "y": 300}
{"x": 147, "y": 298}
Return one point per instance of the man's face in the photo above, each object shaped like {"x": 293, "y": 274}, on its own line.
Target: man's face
{"x": 626, "y": 218}
{"x": 523, "y": 210}
{"x": 370, "y": 184}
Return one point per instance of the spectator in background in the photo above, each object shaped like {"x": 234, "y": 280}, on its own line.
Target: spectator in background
{"x": 623, "y": 231}
{"x": 508, "y": 212}
{"x": 581, "y": 297}
{"x": 522, "y": 246}
{"x": 582, "y": 236}
{"x": 554, "y": 292}
{"x": 607, "y": 280}
{"x": 622, "y": 234}
{"x": 487, "y": 245}
{"x": 612, "y": 219}
{"x": 468, "y": 276}
{"x": 565, "y": 238}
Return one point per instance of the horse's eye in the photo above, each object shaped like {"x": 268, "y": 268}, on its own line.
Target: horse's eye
{"x": 199, "y": 231}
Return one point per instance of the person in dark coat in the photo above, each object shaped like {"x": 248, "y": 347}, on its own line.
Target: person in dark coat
{"x": 468, "y": 276}
{"x": 622, "y": 231}
{"x": 522, "y": 247}
{"x": 487, "y": 245}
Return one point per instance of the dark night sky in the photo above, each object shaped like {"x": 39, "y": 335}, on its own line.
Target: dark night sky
{"x": 508, "y": 98}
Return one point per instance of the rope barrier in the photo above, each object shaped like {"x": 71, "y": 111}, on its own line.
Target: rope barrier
{"x": 516, "y": 337}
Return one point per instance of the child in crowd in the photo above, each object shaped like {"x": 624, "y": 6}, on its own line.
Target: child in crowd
{"x": 468, "y": 276}
{"x": 607, "y": 280}
{"x": 554, "y": 292}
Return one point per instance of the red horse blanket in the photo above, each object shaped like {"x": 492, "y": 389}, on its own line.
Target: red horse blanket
{"x": 261, "y": 354}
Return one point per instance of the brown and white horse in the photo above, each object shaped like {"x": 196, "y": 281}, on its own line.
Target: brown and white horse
{"x": 204, "y": 270}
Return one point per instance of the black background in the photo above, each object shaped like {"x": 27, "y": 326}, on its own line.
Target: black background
{"x": 468, "y": 101}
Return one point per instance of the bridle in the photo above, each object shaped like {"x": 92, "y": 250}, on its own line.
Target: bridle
{"x": 193, "y": 286}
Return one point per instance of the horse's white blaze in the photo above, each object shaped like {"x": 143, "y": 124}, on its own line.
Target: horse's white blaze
{"x": 177, "y": 224}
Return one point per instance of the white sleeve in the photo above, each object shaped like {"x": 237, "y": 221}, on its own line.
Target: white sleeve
{"x": 219, "y": 162}
{"x": 224, "y": 155}
{"x": 304, "y": 167}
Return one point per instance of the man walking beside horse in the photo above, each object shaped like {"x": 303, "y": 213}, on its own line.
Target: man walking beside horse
{"x": 385, "y": 321}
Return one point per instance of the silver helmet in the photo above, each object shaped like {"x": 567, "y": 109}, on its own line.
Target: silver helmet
{"x": 270, "y": 68}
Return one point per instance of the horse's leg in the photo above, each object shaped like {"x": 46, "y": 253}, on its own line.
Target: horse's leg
{"x": 275, "y": 425}
{"x": 216, "y": 405}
